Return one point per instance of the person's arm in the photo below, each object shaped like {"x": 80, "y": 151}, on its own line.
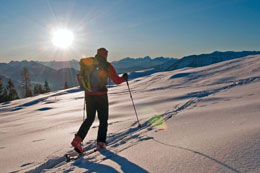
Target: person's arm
{"x": 114, "y": 76}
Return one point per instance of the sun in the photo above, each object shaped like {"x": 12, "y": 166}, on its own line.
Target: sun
{"x": 62, "y": 38}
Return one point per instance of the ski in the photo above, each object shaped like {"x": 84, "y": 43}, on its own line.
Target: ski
{"x": 73, "y": 156}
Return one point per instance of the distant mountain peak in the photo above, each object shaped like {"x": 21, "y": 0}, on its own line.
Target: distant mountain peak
{"x": 147, "y": 57}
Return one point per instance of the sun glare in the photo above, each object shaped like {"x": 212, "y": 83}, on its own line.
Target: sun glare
{"x": 62, "y": 38}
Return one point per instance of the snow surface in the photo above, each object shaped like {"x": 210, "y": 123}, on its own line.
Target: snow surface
{"x": 193, "y": 120}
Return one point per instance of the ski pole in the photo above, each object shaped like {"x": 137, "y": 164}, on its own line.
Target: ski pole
{"x": 139, "y": 125}
{"x": 84, "y": 109}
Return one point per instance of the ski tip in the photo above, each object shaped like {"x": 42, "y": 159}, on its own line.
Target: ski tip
{"x": 67, "y": 156}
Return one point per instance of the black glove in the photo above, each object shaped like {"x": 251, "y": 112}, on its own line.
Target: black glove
{"x": 125, "y": 76}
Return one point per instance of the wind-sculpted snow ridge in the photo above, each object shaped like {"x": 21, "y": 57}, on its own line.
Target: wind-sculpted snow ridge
{"x": 37, "y": 99}
{"x": 201, "y": 94}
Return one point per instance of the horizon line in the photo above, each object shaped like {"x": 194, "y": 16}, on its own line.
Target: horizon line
{"x": 134, "y": 58}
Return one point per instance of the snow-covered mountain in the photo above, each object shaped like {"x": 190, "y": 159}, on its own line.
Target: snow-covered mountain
{"x": 197, "y": 120}
{"x": 207, "y": 59}
{"x": 136, "y": 64}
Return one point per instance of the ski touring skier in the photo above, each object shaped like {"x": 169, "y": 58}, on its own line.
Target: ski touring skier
{"x": 94, "y": 73}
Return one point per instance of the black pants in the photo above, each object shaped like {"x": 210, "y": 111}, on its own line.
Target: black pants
{"x": 99, "y": 104}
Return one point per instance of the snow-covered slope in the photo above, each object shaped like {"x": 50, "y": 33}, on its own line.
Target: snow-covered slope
{"x": 193, "y": 120}
{"x": 207, "y": 59}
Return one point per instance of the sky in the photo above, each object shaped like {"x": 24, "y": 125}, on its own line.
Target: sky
{"x": 127, "y": 28}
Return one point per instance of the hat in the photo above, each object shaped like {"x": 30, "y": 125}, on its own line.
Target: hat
{"x": 102, "y": 51}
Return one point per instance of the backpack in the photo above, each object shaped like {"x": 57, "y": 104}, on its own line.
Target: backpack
{"x": 93, "y": 74}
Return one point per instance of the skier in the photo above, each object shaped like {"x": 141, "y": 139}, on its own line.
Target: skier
{"x": 94, "y": 72}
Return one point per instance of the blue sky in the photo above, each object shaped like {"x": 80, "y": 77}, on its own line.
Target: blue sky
{"x": 132, "y": 28}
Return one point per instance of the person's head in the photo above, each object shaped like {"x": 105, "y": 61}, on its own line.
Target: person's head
{"x": 103, "y": 52}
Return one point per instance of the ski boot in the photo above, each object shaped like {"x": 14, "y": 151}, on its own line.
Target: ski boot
{"x": 76, "y": 143}
{"x": 101, "y": 146}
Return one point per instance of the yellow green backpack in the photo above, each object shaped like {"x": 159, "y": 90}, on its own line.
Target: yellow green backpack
{"x": 93, "y": 74}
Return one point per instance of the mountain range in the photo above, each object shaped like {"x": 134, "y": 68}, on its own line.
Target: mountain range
{"x": 131, "y": 64}
{"x": 38, "y": 74}
{"x": 207, "y": 59}
{"x": 59, "y": 72}
{"x": 57, "y": 65}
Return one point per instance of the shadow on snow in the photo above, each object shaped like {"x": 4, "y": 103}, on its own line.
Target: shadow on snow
{"x": 125, "y": 165}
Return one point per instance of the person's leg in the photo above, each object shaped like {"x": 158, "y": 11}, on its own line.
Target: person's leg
{"x": 91, "y": 113}
{"x": 102, "y": 110}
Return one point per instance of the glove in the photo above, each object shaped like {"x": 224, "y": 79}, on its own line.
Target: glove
{"x": 125, "y": 76}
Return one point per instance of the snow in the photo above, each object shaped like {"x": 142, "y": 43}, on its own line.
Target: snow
{"x": 193, "y": 120}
